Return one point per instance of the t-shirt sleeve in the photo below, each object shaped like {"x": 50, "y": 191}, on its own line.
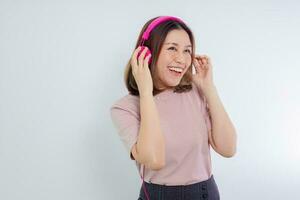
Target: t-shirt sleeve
{"x": 127, "y": 124}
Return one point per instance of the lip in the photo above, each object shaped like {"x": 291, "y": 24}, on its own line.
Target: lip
{"x": 183, "y": 68}
{"x": 174, "y": 73}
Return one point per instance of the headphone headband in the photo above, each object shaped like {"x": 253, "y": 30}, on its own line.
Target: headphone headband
{"x": 156, "y": 22}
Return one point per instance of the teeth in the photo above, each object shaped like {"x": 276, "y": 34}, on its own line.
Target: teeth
{"x": 176, "y": 69}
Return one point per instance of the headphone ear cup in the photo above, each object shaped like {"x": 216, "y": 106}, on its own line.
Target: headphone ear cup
{"x": 147, "y": 53}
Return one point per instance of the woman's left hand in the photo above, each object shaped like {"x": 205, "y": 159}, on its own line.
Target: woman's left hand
{"x": 203, "y": 77}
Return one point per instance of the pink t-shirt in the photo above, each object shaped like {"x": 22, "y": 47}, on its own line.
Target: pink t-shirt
{"x": 185, "y": 122}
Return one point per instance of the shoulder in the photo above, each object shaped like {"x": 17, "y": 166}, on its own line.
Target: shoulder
{"x": 129, "y": 103}
{"x": 199, "y": 96}
{"x": 197, "y": 92}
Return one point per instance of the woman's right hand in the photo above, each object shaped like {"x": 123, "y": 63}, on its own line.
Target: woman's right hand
{"x": 141, "y": 72}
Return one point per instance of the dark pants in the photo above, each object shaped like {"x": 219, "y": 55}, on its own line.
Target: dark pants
{"x": 202, "y": 190}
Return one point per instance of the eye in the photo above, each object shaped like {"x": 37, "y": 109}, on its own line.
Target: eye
{"x": 172, "y": 48}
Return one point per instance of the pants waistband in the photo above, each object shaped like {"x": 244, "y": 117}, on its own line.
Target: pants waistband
{"x": 195, "y": 186}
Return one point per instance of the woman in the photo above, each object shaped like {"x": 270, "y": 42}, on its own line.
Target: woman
{"x": 172, "y": 116}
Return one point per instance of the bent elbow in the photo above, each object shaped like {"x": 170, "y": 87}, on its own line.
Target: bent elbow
{"x": 157, "y": 165}
{"x": 229, "y": 154}
{"x": 158, "y": 162}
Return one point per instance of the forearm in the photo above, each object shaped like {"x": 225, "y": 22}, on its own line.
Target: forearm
{"x": 223, "y": 131}
{"x": 150, "y": 143}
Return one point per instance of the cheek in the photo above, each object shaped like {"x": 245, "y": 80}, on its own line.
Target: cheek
{"x": 166, "y": 56}
{"x": 189, "y": 60}
{"x": 161, "y": 69}
{"x": 163, "y": 63}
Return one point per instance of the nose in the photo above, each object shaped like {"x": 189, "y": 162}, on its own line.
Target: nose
{"x": 179, "y": 58}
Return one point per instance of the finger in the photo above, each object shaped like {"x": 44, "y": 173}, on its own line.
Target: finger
{"x": 200, "y": 60}
{"x": 196, "y": 56}
{"x": 198, "y": 66}
{"x": 141, "y": 57}
{"x": 196, "y": 62}
{"x": 134, "y": 56}
{"x": 204, "y": 60}
{"x": 207, "y": 59}
{"x": 146, "y": 61}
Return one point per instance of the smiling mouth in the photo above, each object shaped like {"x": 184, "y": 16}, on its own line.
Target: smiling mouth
{"x": 177, "y": 71}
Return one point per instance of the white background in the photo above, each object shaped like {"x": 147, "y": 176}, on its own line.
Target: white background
{"x": 61, "y": 68}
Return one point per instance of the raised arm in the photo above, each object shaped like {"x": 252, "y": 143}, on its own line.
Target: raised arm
{"x": 150, "y": 146}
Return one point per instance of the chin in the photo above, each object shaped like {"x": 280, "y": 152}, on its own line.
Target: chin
{"x": 173, "y": 83}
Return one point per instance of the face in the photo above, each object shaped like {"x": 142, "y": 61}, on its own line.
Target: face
{"x": 175, "y": 55}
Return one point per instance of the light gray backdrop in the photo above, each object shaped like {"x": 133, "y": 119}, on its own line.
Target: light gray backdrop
{"x": 61, "y": 68}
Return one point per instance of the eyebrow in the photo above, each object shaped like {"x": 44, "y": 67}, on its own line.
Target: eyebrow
{"x": 177, "y": 44}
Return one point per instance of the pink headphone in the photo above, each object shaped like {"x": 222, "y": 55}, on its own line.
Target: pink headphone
{"x": 150, "y": 27}
{"x": 145, "y": 37}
